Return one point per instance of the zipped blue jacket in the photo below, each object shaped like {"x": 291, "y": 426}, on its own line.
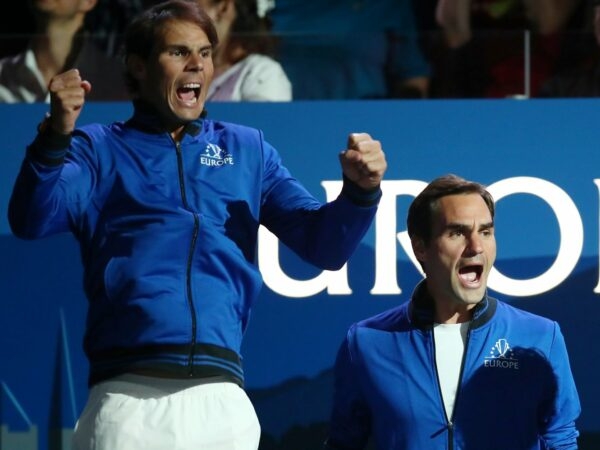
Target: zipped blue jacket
{"x": 168, "y": 235}
{"x": 516, "y": 390}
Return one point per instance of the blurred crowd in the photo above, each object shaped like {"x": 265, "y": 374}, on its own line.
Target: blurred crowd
{"x": 282, "y": 50}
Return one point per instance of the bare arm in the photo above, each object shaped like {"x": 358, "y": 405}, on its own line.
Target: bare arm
{"x": 454, "y": 16}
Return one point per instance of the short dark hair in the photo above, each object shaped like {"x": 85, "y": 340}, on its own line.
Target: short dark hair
{"x": 420, "y": 212}
{"x": 147, "y": 27}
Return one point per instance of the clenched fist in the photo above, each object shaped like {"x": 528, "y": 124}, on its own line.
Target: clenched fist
{"x": 67, "y": 96}
{"x": 363, "y": 162}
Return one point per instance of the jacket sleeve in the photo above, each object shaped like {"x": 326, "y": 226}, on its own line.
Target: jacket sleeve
{"x": 51, "y": 188}
{"x": 350, "y": 421}
{"x": 558, "y": 429}
{"x": 324, "y": 234}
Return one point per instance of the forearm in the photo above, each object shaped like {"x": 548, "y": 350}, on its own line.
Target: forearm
{"x": 454, "y": 16}
{"x": 32, "y": 205}
{"x": 324, "y": 235}
{"x": 339, "y": 226}
{"x": 340, "y": 231}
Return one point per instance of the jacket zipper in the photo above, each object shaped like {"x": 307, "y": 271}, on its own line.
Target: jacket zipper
{"x": 188, "y": 269}
{"x": 450, "y": 421}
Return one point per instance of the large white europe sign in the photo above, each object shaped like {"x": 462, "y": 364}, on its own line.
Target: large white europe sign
{"x": 386, "y": 234}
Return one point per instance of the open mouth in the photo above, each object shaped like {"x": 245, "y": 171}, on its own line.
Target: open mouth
{"x": 189, "y": 92}
{"x": 470, "y": 274}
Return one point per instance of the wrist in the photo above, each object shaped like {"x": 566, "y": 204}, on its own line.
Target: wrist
{"x": 359, "y": 195}
{"x": 44, "y": 125}
{"x": 49, "y": 147}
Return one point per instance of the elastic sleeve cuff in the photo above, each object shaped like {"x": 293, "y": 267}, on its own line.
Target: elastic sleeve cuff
{"x": 49, "y": 147}
{"x": 360, "y": 196}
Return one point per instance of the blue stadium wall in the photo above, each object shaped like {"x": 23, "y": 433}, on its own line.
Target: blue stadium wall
{"x": 540, "y": 159}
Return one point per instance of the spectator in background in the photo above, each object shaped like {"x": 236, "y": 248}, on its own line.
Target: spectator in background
{"x": 485, "y": 45}
{"x": 583, "y": 80}
{"x": 349, "y": 49}
{"x": 59, "y": 43}
{"x": 109, "y": 20}
{"x": 244, "y": 67}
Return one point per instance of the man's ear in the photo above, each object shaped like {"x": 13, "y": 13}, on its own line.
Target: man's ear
{"x": 419, "y": 248}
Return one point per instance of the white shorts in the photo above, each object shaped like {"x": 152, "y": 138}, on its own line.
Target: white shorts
{"x": 133, "y": 412}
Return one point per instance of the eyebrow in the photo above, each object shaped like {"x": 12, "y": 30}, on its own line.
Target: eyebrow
{"x": 462, "y": 227}
{"x": 175, "y": 45}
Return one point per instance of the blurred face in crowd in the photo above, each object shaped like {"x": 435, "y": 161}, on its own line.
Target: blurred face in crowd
{"x": 176, "y": 76}
{"x": 211, "y": 7}
{"x": 222, "y": 13}
{"x": 66, "y": 9}
{"x": 458, "y": 258}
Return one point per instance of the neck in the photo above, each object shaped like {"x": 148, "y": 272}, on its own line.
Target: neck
{"x": 227, "y": 56}
{"x": 53, "y": 43}
{"x": 448, "y": 311}
{"x": 453, "y": 317}
{"x": 52, "y": 47}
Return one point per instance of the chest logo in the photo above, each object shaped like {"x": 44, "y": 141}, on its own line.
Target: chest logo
{"x": 215, "y": 156}
{"x": 501, "y": 356}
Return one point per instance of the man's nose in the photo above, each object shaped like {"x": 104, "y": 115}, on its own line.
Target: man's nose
{"x": 195, "y": 62}
{"x": 475, "y": 244}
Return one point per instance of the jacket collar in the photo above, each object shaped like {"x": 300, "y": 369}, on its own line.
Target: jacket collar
{"x": 422, "y": 308}
{"x": 146, "y": 119}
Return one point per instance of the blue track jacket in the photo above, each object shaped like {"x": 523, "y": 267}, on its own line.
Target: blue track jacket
{"x": 168, "y": 232}
{"x": 516, "y": 390}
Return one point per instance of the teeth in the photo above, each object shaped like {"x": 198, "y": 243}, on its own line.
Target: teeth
{"x": 192, "y": 85}
{"x": 469, "y": 276}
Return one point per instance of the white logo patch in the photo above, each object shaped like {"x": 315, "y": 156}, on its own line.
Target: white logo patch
{"x": 215, "y": 156}
{"x": 501, "y": 356}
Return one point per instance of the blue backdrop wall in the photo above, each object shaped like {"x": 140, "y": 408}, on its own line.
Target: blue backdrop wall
{"x": 538, "y": 157}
